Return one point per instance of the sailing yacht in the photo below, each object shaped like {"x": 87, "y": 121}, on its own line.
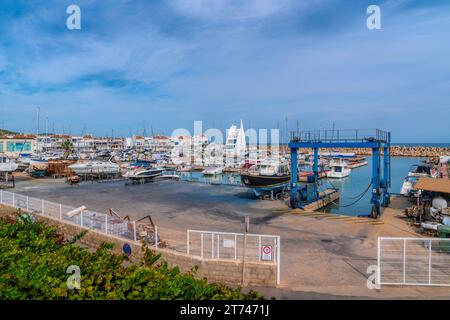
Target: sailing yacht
{"x": 236, "y": 146}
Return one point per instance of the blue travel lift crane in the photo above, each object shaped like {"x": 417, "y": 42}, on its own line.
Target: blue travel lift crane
{"x": 377, "y": 140}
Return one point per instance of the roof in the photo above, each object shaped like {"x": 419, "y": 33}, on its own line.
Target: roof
{"x": 435, "y": 185}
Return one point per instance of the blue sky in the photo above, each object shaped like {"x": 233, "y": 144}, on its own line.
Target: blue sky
{"x": 164, "y": 64}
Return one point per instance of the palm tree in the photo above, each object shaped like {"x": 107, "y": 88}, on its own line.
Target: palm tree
{"x": 67, "y": 147}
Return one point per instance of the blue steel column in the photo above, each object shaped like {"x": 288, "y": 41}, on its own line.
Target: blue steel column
{"x": 386, "y": 175}
{"x": 294, "y": 177}
{"x": 376, "y": 177}
{"x": 316, "y": 164}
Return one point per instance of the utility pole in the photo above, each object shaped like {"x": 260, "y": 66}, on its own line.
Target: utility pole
{"x": 38, "y": 110}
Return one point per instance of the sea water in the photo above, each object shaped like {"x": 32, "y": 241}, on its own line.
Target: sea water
{"x": 359, "y": 180}
{"x": 350, "y": 187}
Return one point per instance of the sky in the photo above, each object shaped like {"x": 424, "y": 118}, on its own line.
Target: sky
{"x": 161, "y": 65}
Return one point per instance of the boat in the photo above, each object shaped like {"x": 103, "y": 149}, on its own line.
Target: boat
{"x": 144, "y": 174}
{"x": 420, "y": 170}
{"x": 270, "y": 176}
{"x": 38, "y": 164}
{"x": 408, "y": 185}
{"x": 339, "y": 169}
{"x": 95, "y": 167}
{"x": 169, "y": 177}
{"x": 212, "y": 170}
{"x": 7, "y": 165}
{"x": 356, "y": 162}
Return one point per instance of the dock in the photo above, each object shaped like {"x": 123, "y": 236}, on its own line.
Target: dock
{"x": 325, "y": 198}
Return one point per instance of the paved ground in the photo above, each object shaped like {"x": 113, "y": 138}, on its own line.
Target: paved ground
{"x": 322, "y": 256}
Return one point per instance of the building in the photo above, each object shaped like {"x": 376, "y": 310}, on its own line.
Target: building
{"x": 14, "y": 146}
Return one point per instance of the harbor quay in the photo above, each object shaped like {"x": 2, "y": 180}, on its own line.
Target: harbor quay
{"x": 323, "y": 256}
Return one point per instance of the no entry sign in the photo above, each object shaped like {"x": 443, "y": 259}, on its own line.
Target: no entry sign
{"x": 266, "y": 253}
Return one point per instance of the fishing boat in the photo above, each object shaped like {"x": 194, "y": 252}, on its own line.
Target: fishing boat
{"x": 339, "y": 169}
{"x": 7, "y": 165}
{"x": 212, "y": 170}
{"x": 270, "y": 176}
{"x": 95, "y": 167}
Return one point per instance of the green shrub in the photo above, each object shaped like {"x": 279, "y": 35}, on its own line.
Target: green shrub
{"x": 33, "y": 264}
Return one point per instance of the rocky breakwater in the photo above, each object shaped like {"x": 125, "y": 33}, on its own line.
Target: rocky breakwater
{"x": 397, "y": 151}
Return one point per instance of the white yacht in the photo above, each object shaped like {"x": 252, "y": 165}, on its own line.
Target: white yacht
{"x": 236, "y": 146}
{"x": 212, "y": 170}
{"x": 339, "y": 169}
{"x": 7, "y": 165}
{"x": 95, "y": 167}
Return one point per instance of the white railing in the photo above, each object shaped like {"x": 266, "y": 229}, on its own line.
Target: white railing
{"x": 413, "y": 261}
{"x": 235, "y": 246}
{"x": 93, "y": 220}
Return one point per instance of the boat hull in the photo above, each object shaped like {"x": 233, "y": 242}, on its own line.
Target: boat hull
{"x": 258, "y": 181}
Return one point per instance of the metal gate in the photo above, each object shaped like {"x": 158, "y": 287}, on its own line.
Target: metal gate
{"x": 235, "y": 246}
{"x": 413, "y": 261}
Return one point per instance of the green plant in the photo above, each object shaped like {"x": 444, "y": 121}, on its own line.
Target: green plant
{"x": 34, "y": 264}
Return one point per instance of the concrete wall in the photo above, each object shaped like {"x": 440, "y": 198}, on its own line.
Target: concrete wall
{"x": 223, "y": 271}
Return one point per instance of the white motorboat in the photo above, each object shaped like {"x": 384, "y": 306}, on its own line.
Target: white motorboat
{"x": 408, "y": 185}
{"x": 420, "y": 170}
{"x": 143, "y": 174}
{"x": 7, "y": 165}
{"x": 339, "y": 169}
{"x": 95, "y": 167}
{"x": 212, "y": 171}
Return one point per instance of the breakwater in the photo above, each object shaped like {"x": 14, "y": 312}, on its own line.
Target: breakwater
{"x": 396, "y": 151}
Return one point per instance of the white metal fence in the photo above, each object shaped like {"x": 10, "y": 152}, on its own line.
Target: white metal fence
{"x": 413, "y": 261}
{"x": 235, "y": 246}
{"x": 98, "y": 221}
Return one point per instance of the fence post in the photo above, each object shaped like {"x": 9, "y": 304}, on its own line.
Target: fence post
{"x": 378, "y": 263}
{"x": 218, "y": 246}
{"x": 60, "y": 211}
{"x": 188, "y": 249}
{"x": 106, "y": 223}
{"x": 28, "y": 203}
{"x": 14, "y": 200}
{"x": 279, "y": 260}
{"x": 212, "y": 245}
{"x": 156, "y": 237}
{"x": 429, "y": 262}
{"x": 43, "y": 207}
{"x": 404, "y": 261}
{"x": 201, "y": 245}
{"x": 81, "y": 217}
{"x": 235, "y": 247}
{"x": 259, "y": 248}
{"x": 134, "y": 230}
